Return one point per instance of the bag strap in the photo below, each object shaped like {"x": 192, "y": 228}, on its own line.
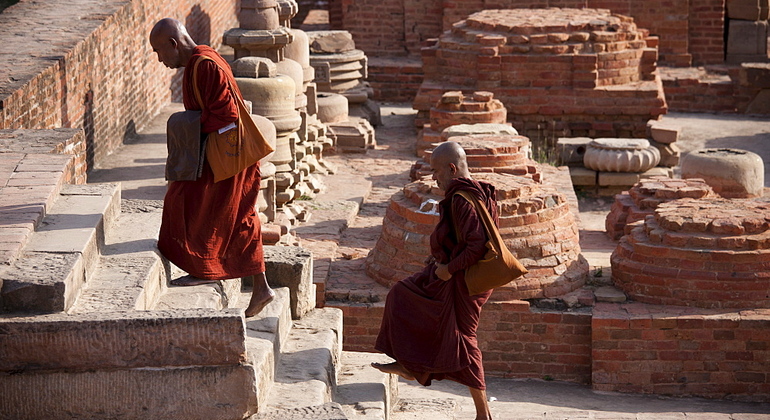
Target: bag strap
{"x": 481, "y": 210}
{"x": 195, "y": 79}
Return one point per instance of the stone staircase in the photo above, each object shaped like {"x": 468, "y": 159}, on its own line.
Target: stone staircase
{"x": 89, "y": 328}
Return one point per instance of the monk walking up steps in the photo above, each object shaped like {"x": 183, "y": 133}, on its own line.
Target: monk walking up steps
{"x": 210, "y": 229}
{"x": 430, "y": 321}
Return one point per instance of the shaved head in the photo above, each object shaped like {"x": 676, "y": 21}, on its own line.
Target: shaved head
{"x": 448, "y": 161}
{"x": 170, "y": 40}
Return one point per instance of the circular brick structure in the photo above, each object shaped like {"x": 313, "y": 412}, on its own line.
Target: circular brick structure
{"x": 708, "y": 253}
{"x": 535, "y": 223}
{"x": 488, "y": 153}
{"x": 583, "y": 72}
{"x": 644, "y": 197}
{"x": 732, "y": 173}
{"x": 454, "y": 108}
{"x": 620, "y": 155}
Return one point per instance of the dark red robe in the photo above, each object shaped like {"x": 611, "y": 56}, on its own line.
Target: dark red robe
{"x": 429, "y": 325}
{"x": 211, "y": 230}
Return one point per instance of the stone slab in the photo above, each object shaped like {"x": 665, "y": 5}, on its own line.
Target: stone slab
{"x": 64, "y": 250}
{"x": 571, "y": 150}
{"x": 308, "y": 369}
{"x": 662, "y": 132}
{"x": 747, "y": 38}
{"x": 292, "y": 267}
{"x": 364, "y": 392}
{"x": 121, "y": 340}
{"x": 190, "y": 393}
{"x": 582, "y": 176}
{"x": 328, "y": 411}
{"x": 41, "y": 282}
{"x": 122, "y": 283}
{"x": 610, "y": 294}
{"x": 266, "y": 334}
{"x": 274, "y": 323}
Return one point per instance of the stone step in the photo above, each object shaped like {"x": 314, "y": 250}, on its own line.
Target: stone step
{"x": 309, "y": 364}
{"x": 62, "y": 254}
{"x": 131, "y": 274}
{"x": 266, "y": 336}
{"x": 135, "y": 364}
{"x": 365, "y": 393}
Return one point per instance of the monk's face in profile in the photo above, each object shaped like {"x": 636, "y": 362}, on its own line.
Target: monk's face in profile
{"x": 167, "y": 50}
{"x": 443, "y": 172}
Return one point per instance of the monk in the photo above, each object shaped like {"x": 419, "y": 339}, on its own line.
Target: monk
{"x": 429, "y": 324}
{"x": 211, "y": 230}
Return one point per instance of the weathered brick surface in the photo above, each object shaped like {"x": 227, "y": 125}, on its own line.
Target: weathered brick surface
{"x": 454, "y": 108}
{"x": 691, "y": 33}
{"x": 88, "y": 64}
{"x": 732, "y": 90}
{"x": 554, "y": 69}
{"x": 681, "y": 351}
{"x": 523, "y": 342}
{"x": 535, "y": 223}
{"x": 708, "y": 253}
{"x": 34, "y": 164}
{"x": 488, "y": 153}
{"x": 643, "y": 198}
{"x": 395, "y": 80}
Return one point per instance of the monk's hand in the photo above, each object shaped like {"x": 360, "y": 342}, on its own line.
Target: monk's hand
{"x": 442, "y": 272}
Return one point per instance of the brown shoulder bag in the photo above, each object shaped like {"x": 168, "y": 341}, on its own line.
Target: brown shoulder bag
{"x": 498, "y": 267}
{"x": 234, "y": 150}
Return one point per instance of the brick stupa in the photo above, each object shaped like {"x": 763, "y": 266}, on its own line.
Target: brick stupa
{"x": 707, "y": 253}
{"x": 585, "y": 72}
{"x": 535, "y": 223}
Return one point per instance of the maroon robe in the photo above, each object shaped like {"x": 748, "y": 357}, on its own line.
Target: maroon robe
{"x": 211, "y": 230}
{"x": 429, "y": 325}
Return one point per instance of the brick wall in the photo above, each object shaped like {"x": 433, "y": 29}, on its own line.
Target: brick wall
{"x": 92, "y": 67}
{"x": 519, "y": 342}
{"x": 681, "y": 351}
{"x": 395, "y": 80}
{"x": 691, "y": 32}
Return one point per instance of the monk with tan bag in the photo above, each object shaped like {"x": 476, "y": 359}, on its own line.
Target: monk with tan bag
{"x": 231, "y": 151}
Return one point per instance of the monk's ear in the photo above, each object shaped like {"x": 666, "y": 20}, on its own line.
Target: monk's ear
{"x": 173, "y": 42}
{"x": 453, "y": 168}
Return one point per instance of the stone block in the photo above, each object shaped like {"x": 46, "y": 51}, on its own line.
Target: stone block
{"x": 582, "y": 176}
{"x": 747, "y": 38}
{"x": 196, "y": 392}
{"x": 330, "y": 42}
{"x": 292, "y": 267}
{"x": 362, "y": 388}
{"x": 309, "y": 367}
{"x": 755, "y": 75}
{"x": 663, "y": 132}
{"x": 669, "y": 154}
{"x": 744, "y": 9}
{"x": 732, "y": 173}
{"x": 760, "y": 104}
{"x": 571, "y": 150}
{"x": 122, "y": 340}
{"x": 619, "y": 178}
{"x": 658, "y": 171}
{"x": 64, "y": 250}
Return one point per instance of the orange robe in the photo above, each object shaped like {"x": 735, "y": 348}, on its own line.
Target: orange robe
{"x": 429, "y": 325}
{"x": 211, "y": 230}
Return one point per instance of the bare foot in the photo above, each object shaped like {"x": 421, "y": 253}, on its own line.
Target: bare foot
{"x": 190, "y": 281}
{"x": 259, "y": 301}
{"x": 394, "y": 368}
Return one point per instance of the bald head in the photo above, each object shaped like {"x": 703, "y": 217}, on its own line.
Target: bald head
{"x": 448, "y": 162}
{"x": 170, "y": 40}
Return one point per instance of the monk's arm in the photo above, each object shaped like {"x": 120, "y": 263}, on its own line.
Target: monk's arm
{"x": 220, "y": 107}
{"x": 471, "y": 229}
